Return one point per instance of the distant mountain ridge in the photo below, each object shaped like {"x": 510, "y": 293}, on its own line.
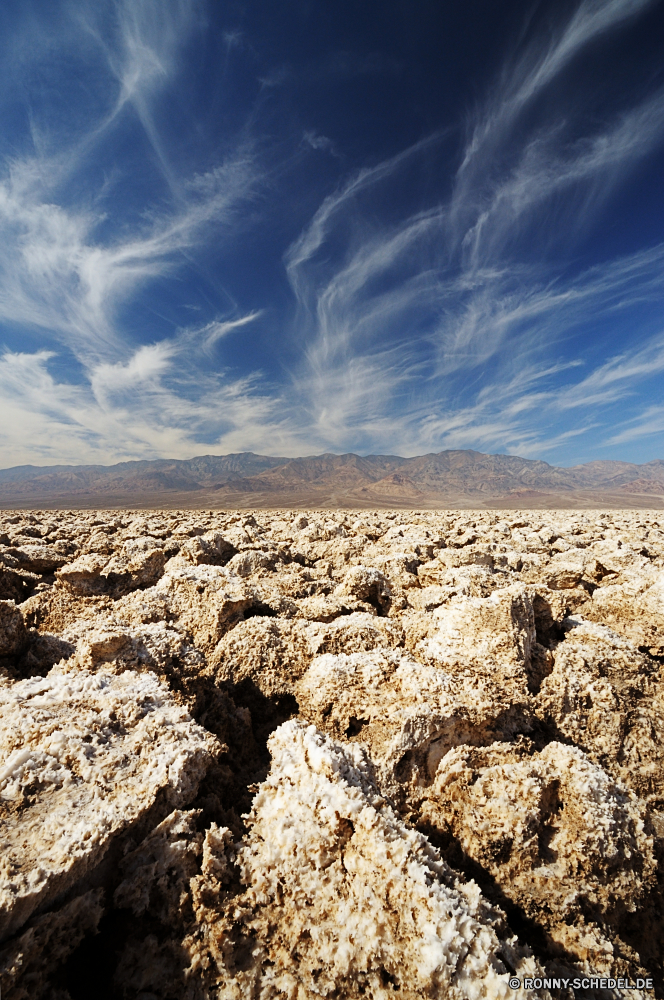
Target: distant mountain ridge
{"x": 232, "y": 480}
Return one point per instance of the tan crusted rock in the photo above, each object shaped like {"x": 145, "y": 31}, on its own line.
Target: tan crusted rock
{"x": 517, "y": 652}
{"x": 156, "y": 875}
{"x": 13, "y": 635}
{"x": 563, "y": 840}
{"x": 406, "y": 713}
{"x": 634, "y": 608}
{"x": 28, "y": 961}
{"x": 367, "y": 584}
{"x": 205, "y": 600}
{"x": 601, "y": 694}
{"x": 84, "y": 757}
{"x": 486, "y": 644}
{"x": 139, "y": 563}
{"x": 82, "y": 575}
{"x": 342, "y": 897}
{"x": 483, "y": 633}
{"x": 210, "y": 549}
{"x": 271, "y": 653}
{"x": 38, "y": 558}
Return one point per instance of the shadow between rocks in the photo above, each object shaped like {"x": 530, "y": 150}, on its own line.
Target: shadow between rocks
{"x": 527, "y": 930}
{"x": 243, "y": 718}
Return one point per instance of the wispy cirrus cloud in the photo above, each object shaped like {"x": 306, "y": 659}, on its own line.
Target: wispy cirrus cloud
{"x": 142, "y": 43}
{"x": 68, "y": 270}
{"x": 646, "y": 423}
{"x": 446, "y": 310}
{"x": 426, "y": 314}
{"x": 158, "y": 402}
{"x": 524, "y": 78}
{"x": 617, "y": 377}
{"x": 213, "y": 332}
{"x": 59, "y": 275}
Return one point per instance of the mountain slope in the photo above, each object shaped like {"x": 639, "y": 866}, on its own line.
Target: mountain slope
{"x": 438, "y": 479}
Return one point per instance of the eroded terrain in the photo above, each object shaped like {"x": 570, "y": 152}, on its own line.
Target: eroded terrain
{"x": 330, "y": 753}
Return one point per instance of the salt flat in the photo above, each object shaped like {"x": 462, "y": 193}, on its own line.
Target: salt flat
{"x": 305, "y": 753}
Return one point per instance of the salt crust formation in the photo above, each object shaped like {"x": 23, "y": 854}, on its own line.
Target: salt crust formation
{"x": 330, "y": 754}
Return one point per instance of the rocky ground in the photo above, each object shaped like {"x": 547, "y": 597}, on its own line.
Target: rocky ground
{"x": 330, "y": 754}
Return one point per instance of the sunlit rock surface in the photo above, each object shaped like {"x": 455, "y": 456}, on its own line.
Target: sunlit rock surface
{"x": 330, "y": 754}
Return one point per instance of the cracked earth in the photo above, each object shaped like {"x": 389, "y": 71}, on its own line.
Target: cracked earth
{"x": 330, "y": 753}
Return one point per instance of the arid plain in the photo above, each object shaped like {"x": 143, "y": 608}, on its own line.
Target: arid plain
{"x": 330, "y": 753}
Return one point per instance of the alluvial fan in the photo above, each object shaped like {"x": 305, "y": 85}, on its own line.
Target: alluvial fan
{"x": 331, "y": 754}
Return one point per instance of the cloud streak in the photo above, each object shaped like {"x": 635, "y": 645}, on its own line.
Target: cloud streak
{"x": 417, "y": 317}
{"x": 424, "y": 306}
{"x": 66, "y": 275}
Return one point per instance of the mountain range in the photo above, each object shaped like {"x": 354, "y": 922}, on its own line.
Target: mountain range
{"x": 443, "y": 479}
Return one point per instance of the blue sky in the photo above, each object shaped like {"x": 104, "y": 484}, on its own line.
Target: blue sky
{"x": 380, "y": 227}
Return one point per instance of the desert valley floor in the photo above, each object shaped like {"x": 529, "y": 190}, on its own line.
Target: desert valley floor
{"x": 330, "y": 754}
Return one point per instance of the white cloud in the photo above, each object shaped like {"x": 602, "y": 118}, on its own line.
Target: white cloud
{"x": 156, "y": 404}
{"x": 66, "y": 274}
{"x": 548, "y": 165}
{"x": 212, "y": 332}
{"x": 441, "y": 312}
{"x": 312, "y": 238}
{"x": 541, "y": 62}
{"x": 617, "y": 377}
{"x": 319, "y": 142}
{"x": 649, "y": 421}
{"x": 436, "y": 329}
{"x": 58, "y": 275}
